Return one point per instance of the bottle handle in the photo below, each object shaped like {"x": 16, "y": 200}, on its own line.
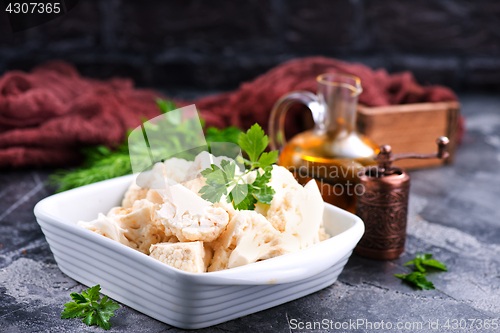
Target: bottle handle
{"x": 278, "y": 113}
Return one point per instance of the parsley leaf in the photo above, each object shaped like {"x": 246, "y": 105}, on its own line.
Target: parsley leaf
{"x": 417, "y": 279}
{"x": 229, "y": 168}
{"x": 88, "y": 307}
{"x": 267, "y": 159}
{"x": 253, "y": 142}
{"x": 425, "y": 259}
{"x": 216, "y": 185}
{"x": 91, "y": 294}
{"x": 243, "y": 196}
{"x": 265, "y": 195}
{"x": 73, "y": 310}
{"x": 263, "y": 192}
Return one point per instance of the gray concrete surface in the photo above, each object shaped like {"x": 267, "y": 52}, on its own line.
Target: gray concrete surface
{"x": 454, "y": 213}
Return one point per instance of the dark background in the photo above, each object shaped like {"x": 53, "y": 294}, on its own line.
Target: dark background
{"x": 215, "y": 45}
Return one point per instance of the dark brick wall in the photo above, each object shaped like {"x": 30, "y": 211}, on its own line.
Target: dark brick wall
{"x": 218, "y": 44}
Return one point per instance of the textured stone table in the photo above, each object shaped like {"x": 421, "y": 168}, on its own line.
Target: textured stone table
{"x": 454, "y": 213}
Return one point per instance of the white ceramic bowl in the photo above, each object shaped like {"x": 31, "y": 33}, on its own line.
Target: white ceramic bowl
{"x": 178, "y": 298}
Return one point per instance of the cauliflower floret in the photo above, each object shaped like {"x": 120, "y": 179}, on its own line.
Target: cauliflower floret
{"x": 154, "y": 197}
{"x": 141, "y": 229}
{"x": 154, "y": 178}
{"x": 195, "y": 184}
{"x": 205, "y": 228}
{"x": 322, "y": 234}
{"x": 281, "y": 178}
{"x": 188, "y": 228}
{"x": 285, "y": 203}
{"x": 118, "y": 211}
{"x": 295, "y": 210}
{"x": 284, "y": 208}
{"x": 138, "y": 206}
{"x": 311, "y": 209}
{"x": 172, "y": 171}
{"x": 134, "y": 192}
{"x": 106, "y": 227}
{"x": 189, "y": 257}
{"x": 177, "y": 169}
{"x": 209, "y": 253}
{"x": 189, "y": 217}
{"x": 248, "y": 238}
{"x": 227, "y": 206}
{"x": 220, "y": 259}
{"x": 131, "y": 226}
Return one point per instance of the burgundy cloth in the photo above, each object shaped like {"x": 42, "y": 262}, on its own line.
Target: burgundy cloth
{"x": 253, "y": 101}
{"x": 48, "y": 114}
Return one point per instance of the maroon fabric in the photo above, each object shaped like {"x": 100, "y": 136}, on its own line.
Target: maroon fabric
{"x": 253, "y": 101}
{"x": 48, "y": 114}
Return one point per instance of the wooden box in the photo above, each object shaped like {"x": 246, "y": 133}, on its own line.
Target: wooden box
{"x": 412, "y": 128}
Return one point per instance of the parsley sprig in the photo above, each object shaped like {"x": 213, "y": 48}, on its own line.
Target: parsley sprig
{"x": 87, "y": 306}
{"x": 425, "y": 260}
{"x": 243, "y": 195}
{"x": 418, "y": 278}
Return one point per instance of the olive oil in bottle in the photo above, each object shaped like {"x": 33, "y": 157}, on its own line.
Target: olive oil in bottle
{"x": 311, "y": 156}
{"x": 332, "y": 152}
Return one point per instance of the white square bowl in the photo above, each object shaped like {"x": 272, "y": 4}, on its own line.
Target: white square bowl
{"x": 175, "y": 297}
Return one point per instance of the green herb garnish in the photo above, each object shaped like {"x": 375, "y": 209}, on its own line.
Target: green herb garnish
{"x": 228, "y": 134}
{"x": 87, "y": 306}
{"x": 243, "y": 196}
{"x": 418, "y": 279}
{"x": 425, "y": 259}
{"x": 103, "y": 163}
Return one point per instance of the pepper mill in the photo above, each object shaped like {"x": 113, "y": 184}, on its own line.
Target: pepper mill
{"x": 383, "y": 205}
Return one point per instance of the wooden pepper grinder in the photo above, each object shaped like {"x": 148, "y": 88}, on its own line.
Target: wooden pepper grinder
{"x": 383, "y": 206}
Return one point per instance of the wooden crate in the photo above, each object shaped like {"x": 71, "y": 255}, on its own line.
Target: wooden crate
{"x": 412, "y": 128}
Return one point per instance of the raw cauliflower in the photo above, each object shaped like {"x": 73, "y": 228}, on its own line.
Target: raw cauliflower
{"x": 189, "y": 217}
{"x": 207, "y": 227}
{"x": 134, "y": 192}
{"x": 195, "y": 185}
{"x": 285, "y": 204}
{"x": 295, "y": 210}
{"x": 176, "y": 169}
{"x": 249, "y": 237}
{"x": 131, "y": 226}
{"x": 190, "y": 257}
{"x": 228, "y": 207}
{"x": 106, "y": 227}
